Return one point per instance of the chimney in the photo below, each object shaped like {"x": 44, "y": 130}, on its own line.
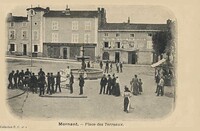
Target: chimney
{"x": 169, "y": 21}
{"x": 67, "y": 10}
{"x": 98, "y": 9}
{"x": 47, "y": 9}
{"x": 129, "y": 20}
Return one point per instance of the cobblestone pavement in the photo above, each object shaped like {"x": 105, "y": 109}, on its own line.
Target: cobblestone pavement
{"x": 91, "y": 106}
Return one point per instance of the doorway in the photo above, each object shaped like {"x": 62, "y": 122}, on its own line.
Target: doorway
{"x": 117, "y": 57}
{"x": 24, "y": 49}
{"x": 64, "y": 53}
{"x": 132, "y": 57}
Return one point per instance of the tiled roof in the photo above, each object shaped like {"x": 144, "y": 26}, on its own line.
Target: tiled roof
{"x": 72, "y": 14}
{"x": 131, "y": 26}
{"x": 37, "y": 9}
{"x": 17, "y": 19}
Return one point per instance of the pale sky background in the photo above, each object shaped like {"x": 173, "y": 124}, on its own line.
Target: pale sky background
{"x": 116, "y": 13}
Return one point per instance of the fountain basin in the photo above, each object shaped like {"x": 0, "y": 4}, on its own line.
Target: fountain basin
{"x": 91, "y": 73}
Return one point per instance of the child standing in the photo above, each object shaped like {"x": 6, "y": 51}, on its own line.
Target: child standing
{"x": 140, "y": 86}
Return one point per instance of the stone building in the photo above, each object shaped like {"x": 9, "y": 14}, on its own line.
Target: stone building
{"x": 55, "y": 33}
{"x": 127, "y": 42}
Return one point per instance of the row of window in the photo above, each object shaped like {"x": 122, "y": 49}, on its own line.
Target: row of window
{"x": 121, "y": 45}
{"x": 130, "y": 35}
{"x": 12, "y": 24}
{"x": 14, "y": 48}
{"x": 24, "y": 34}
{"x": 74, "y": 38}
{"x": 75, "y": 25}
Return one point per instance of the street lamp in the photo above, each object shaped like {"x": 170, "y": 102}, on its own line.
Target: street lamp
{"x": 31, "y": 14}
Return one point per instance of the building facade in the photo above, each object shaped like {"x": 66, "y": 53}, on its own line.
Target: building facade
{"x": 127, "y": 42}
{"x": 55, "y": 33}
{"x": 64, "y": 33}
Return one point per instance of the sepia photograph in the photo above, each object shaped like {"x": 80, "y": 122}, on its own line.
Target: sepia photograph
{"x": 103, "y": 63}
{"x": 89, "y": 65}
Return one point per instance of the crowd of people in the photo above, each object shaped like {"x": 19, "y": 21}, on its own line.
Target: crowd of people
{"x": 110, "y": 86}
{"x": 109, "y": 65}
{"x": 49, "y": 82}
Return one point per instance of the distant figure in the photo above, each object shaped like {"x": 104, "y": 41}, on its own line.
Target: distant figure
{"x": 101, "y": 64}
{"x": 49, "y": 84}
{"x": 106, "y": 67}
{"x": 21, "y": 77}
{"x": 27, "y": 76}
{"x": 10, "y": 79}
{"x": 134, "y": 85}
{"x": 71, "y": 82}
{"x": 33, "y": 83}
{"x": 157, "y": 77}
{"x": 58, "y": 76}
{"x": 121, "y": 66}
{"x": 109, "y": 85}
{"x": 81, "y": 84}
{"x": 117, "y": 91}
{"x": 140, "y": 86}
{"x": 127, "y": 95}
{"x": 161, "y": 87}
{"x": 111, "y": 67}
{"x": 88, "y": 64}
{"x": 16, "y": 77}
{"x": 103, "y": 83}
{"x": 117, "y": 67}
{"x": 52, "y": 83}
{"x": 41, "y": 82}
{"x": 41, "y": 72}
{"x": 113, "y": 85}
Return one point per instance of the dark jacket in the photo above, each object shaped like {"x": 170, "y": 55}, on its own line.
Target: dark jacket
{"x": 71, "y": 80}
{"x": 103, "y": 81}
{"x": 81, "y": 81}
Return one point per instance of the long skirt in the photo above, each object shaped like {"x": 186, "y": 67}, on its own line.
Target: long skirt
{"x": 135, "y": 90}
{"x": 117, "y": 92}
{"x": 126, "y": 104}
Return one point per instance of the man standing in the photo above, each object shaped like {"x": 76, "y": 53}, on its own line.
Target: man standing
{"x": 41, "y": 72}
{"x": 81, "y": 84}
{"x": 106, "y": 67}
{"x": 117, "y": 67}
{"x": 161, "y": 86}
{"x": 21, "y": 77}
{"x": 121, "y": 66}
{"x": 103, "y": 83}
{"x": 52, "y": 83}
{"x": 109, "y": 81}
{"x": 71, "y": 81}
{"x": 41, "y": 82}
{"x": 16, "y": 77}
{"x": 48, "y": 83}
{"x": 101, "y": 64}
{"x": 58, "y": 82}
{"x": 33, "y": 83}
{"x": 27, "y": 75}
{"x": 10, "y": 77}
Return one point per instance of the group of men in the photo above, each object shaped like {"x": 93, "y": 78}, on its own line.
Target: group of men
{"x": 112, "y": 87}
{"x": 31, "y": 81}
{"x": 108, "y": 66}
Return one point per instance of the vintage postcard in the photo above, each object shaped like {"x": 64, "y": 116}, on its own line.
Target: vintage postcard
{"x": 97, "y": 65}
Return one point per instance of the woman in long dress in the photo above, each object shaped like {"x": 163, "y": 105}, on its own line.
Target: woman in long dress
{"x": 134, "y": 86}
{"x": 117, "y": 91}
{"x": 127, "y": 95}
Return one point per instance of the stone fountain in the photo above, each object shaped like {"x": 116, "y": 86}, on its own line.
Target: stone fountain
{"x": 88, "y": 73}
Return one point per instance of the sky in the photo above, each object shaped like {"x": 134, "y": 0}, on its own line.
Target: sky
{"x": 117, "y": 13}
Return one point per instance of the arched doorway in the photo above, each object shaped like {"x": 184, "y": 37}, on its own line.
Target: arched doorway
{"x": 105, "y": 56}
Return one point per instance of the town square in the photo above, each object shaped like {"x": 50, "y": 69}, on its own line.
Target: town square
{"x": 79, "y": 64}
